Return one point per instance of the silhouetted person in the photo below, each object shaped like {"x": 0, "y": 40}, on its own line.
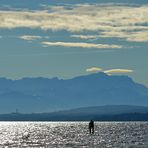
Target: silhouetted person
{"x": 91, "y": 127}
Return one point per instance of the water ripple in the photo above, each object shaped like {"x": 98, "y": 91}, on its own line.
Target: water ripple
{"x": 73, "y": 134}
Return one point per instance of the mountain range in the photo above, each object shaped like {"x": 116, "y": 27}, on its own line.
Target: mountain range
{"x": 97, "y": 113}
{"x": 32, "y": 95}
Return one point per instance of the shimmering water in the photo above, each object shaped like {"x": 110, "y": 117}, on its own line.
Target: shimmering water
{"x": 73, "y": 134}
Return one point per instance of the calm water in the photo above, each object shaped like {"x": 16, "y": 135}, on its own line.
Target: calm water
{"x": 73, "y": 134}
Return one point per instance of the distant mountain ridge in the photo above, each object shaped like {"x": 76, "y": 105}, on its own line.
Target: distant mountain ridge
{"x": 105, "y": 110}
{"x": 97, "y": 113}
{"x": 44, "y": 95}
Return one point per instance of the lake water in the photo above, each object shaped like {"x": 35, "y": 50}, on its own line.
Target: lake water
{"x": 73, "y": 134}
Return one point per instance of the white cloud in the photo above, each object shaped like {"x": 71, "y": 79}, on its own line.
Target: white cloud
{"x": 121, "y": 21}
{"x": 141, "y": 36}
{"x": 93, "y": 69}
{"x": 85, "y": 36}
{"x": 29, "y": 37}
{"x": 82, "y": 45}
{"x": 111, "y": 71}
{"x": 138, "y": 36}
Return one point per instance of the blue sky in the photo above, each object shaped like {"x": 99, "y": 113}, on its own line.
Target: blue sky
{"x": 70, "y": 38}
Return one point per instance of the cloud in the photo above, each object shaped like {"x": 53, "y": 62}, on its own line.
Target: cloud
{"x": 29, "y": 37}
{"x": 141, "y": 36}
{"x": 138, "y": 36}
{"x": 85, "y": 36}
{"x": 112, "y": 71}
{"x": 93, "y": 69}
{"x": 80, "y": 44}
{"x": 122, "y": 21}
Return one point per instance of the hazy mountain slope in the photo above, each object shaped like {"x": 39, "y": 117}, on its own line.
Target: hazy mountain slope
{"x": 42, "y": 94}
{"x": 105, "y": 110}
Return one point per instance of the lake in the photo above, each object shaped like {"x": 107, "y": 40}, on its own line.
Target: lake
{"x": 73, "y": 134}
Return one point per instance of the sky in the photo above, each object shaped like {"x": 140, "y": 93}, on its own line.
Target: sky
{"x": 65, "y": 38}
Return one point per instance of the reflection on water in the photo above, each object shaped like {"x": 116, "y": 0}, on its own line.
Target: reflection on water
{"x": 73, "y": 134}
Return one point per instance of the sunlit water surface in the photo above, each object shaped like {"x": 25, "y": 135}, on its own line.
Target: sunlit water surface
{"x": 73, "y": 134}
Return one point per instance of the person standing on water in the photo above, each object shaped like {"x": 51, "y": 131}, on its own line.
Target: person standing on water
{"x": 91, "y": 127}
